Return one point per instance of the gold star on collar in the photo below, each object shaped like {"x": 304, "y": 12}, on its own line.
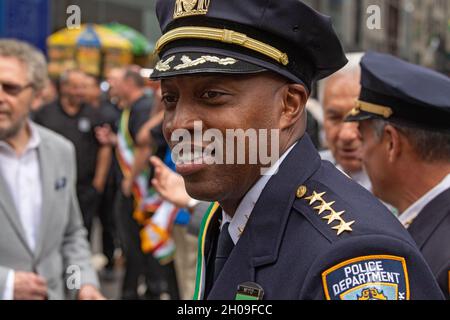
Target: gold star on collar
{"x": 343, "y": 226}
{"x": 325, "y": 207}
{"x": 315, "y": 197}
{"x": 333, "y": 216}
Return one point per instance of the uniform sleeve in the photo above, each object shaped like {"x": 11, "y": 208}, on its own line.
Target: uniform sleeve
{"x": 372, "y": 267}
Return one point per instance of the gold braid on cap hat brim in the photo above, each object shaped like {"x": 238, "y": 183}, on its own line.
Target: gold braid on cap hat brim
{"x": 221, "y": 35}
{"x": 383, "y": 111}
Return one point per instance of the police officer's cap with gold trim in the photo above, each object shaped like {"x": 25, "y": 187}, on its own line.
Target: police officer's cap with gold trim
{"x": 402, "y": 93}
{"x": 246, "y": 36}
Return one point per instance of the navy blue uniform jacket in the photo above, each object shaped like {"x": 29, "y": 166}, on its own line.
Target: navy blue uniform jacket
{"x": 293, "y": 251}
{"x": 431, "y": 231}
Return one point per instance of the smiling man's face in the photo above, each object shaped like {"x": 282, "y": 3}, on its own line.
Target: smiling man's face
{"x": 221, "y": 102}
{"x": 343, "y": 138}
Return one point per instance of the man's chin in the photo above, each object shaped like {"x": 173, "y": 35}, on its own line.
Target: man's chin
{"x": 9, "y": 129}
{"x": 351, "y": 166}
{"x": 203, "y": 189}
{"x": 7, "y": 133}
{"x": 202, "y": 192}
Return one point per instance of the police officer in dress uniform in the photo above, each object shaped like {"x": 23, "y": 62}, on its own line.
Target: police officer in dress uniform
{"x": 404, "y": 114}
{"x": 303, "y": 230}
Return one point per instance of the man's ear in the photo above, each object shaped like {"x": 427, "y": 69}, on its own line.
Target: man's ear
{"x": 294, "y": 105}
{"x": 393, "y": 142}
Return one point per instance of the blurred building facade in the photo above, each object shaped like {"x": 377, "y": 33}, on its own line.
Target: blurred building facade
{"x": 416, "y": 30}
{"x": 138, "y": 14}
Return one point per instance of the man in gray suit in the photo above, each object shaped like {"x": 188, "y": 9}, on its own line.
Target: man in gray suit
{"x": 44, "y": 253}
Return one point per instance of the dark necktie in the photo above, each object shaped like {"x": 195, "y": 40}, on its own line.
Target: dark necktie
{"x": 224, "y": 247}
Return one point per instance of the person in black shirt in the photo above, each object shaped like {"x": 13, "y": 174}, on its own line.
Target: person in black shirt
{"x": 136, "y": 113}
{"x": 151, "y": 134}
{"x": 75, "y": 120}
{"x": 110, "y": 114}
{"x": 93, "y": 96}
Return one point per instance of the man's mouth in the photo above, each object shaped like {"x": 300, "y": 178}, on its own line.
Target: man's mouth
{"x": 353, "y": 154}
{"x": 193, "y": 154}
{"x": 4, "y": 115}
{"x": 191, "y": 158}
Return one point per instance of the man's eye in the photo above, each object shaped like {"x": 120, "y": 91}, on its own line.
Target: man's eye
{"x": 335, "y": 118}
{"x": 169, "y": 98}
{"x": 211, "y": 94}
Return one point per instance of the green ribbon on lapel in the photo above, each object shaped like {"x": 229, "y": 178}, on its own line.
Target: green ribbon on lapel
{"x": 201, "y": 268}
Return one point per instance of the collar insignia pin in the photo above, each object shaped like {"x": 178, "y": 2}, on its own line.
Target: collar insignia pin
{"x": 324, "y": 206}
{"x": 185, "y": 8}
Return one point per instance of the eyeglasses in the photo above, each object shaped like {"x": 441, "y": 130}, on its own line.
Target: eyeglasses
{"x": 13, "y": 89}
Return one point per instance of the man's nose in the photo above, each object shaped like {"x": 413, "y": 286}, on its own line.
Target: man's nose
{"x": 349, "y": 132}
{"x": 183, "y": 117}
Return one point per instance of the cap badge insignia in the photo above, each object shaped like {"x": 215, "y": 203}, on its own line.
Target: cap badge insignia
{"x": 185, "y": 8}
{"x": 187, "y": 62}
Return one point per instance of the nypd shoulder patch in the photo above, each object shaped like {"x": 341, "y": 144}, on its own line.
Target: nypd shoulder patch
{"x": 377, "y": 277}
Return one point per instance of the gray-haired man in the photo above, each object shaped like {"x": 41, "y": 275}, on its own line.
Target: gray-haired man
{"x": 42, "y": 238}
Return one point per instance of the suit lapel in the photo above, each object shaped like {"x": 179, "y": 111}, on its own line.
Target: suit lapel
{"x": 48, "y": 190}
{"x": 9, "y": 208}
{"x": 429, "y": 218}
{"x": 260, "y": 242}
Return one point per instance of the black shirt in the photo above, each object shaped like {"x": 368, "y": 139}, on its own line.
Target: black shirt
{"x": 110, "y": 114}
{"x": 79, "y": 129}
{"x": 159, "y": 142}
{"x": 139, "y": 115}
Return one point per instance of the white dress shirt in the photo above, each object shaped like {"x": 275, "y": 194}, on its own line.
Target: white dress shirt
{"x": 22, "y": 176}
{"x": 245, "y": 208}
{"x": 360, "y": 177}
{"x": 408, "y": 216}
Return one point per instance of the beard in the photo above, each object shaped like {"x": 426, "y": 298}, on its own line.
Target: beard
{"x": 13, "y": 129}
